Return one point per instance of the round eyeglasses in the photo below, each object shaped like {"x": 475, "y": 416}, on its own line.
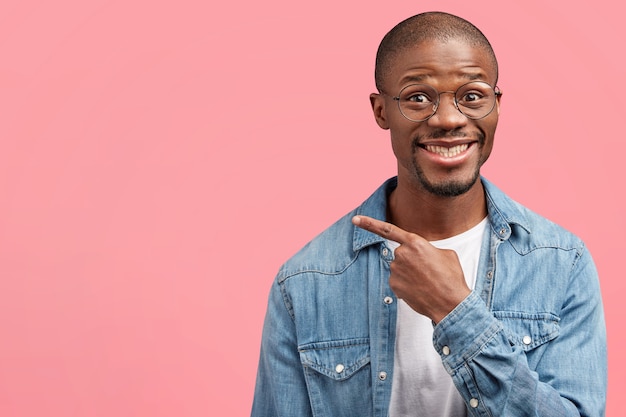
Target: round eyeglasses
{"x": 475, "y": 100}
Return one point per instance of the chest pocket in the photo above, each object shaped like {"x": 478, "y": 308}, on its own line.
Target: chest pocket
{"x": 337, "y": 360}
{"x": 529, "y": 330}
{"x": 338, "y": 377}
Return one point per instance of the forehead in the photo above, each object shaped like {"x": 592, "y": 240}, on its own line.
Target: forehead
{"x": 440, "y": 63}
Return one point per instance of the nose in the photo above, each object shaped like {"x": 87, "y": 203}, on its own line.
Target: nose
{"x": 447, "y": 116}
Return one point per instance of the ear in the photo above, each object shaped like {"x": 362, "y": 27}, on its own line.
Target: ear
{"x": 378, "y": 107}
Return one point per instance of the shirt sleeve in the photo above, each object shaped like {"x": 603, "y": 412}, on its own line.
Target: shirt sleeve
{"x": 280, "y": 386}
{"x": 491, "y": 370}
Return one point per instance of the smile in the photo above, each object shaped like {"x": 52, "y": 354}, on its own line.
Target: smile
{"x": 447, "y": 152}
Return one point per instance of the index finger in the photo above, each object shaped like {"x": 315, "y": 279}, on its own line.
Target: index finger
{"x": 383, "y": 229}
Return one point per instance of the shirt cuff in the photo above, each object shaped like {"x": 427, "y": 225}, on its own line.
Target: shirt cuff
{"x": 464, "y": 331}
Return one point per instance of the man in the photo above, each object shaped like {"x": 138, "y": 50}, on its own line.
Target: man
{"x": 439, "y": 295}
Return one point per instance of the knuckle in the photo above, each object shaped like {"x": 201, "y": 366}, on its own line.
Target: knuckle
{"x": 401, "y": 254}
{"x": 387, "y": 228}
{"x": 415, "y": 241}
{"x": 399, "y": 251}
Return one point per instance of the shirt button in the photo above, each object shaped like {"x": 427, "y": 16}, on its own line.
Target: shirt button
{"x": 385, "y": 251}
{"x": 527, "y": 340}
{"x": 382, "y": 375}
{"x": 445, "y": 350}
{"x": 339, "y": 368}
{"x": 502, "y": 231}
{"x": 473, "y": 403}
{"x": 489, "y": 274}
{"x": 388, "y": 300}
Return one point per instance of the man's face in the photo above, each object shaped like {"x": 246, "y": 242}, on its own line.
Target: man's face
{"x": 441, "y": 155}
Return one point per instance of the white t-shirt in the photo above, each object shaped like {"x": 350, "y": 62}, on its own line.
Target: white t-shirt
{"x": 421, "y": 386}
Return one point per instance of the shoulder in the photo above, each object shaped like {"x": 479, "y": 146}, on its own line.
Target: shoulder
{"x": 528, "y": 229}
{"x": 337, "y": 247}
{"x": 328, "y": 253}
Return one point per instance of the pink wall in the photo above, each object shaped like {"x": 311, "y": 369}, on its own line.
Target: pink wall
{"x": 159, "y": 161}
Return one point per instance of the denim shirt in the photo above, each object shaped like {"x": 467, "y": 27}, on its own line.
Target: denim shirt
{"x": 529, "y": 340}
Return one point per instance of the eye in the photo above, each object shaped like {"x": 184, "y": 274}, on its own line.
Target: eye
{"x": 418, "y": 98}
{"x": 474, "y": 98}
{"x": 471, "y": 96}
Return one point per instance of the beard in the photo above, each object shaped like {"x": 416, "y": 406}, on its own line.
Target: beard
{"x": 451, "y": 188}
{"x": 447, "y": 188}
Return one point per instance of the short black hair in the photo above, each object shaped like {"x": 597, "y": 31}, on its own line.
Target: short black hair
{"x": 427, "y": 26}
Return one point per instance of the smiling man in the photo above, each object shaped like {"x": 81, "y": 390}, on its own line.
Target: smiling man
{"x": 439, "y": 296}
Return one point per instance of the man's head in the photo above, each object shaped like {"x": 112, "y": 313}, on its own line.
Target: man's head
{"x": 429, "y": 26}
{"x": 441, "y": 131}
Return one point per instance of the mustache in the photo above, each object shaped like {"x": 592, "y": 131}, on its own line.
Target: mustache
{"x": 442, "y": 134}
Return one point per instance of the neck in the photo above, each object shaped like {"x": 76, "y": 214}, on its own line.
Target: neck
{"x": 434, "y": 217}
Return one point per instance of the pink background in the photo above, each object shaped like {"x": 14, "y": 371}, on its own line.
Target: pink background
{"x": 159, "y": 161}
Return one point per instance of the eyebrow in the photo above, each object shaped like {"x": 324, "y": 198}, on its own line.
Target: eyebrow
{"x": 470, "y": 76}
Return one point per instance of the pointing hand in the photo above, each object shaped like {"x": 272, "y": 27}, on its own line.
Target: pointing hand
{"x": 428, "y": 279}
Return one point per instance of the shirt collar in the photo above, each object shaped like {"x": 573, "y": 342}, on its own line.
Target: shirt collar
{"x": 503, "y": 213}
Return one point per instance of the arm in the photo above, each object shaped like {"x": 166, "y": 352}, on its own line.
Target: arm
{"x": 280, "y": 386}
{"x": 568, "y": 377}
{"x": 494, "y": 377}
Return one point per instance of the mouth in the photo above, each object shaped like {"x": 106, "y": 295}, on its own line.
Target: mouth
{"x": 446, "y": 152}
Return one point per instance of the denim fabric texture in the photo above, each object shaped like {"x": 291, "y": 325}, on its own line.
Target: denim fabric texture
{"x": 530, "y": 339}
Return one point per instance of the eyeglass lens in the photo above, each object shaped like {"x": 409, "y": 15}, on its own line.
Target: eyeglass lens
{"x": 419, "y": 102}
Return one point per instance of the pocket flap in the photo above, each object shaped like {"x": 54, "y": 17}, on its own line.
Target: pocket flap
{"x": 529, "y": 330}
{"x": 339, "y": 359}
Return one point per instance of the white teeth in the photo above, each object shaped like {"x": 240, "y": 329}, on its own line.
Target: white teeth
{"x": 447, "y": 152}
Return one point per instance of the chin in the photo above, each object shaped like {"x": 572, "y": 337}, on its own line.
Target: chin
{"x": 450, "y": 187}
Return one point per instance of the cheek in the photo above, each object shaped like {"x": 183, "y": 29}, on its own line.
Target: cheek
{"x": 402, "y": 135}
{"x": 488, "y": 126}
{"x": 494, "y": 124}
{"x": 397, "y": 144}
{"x": 489, "y": 131}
